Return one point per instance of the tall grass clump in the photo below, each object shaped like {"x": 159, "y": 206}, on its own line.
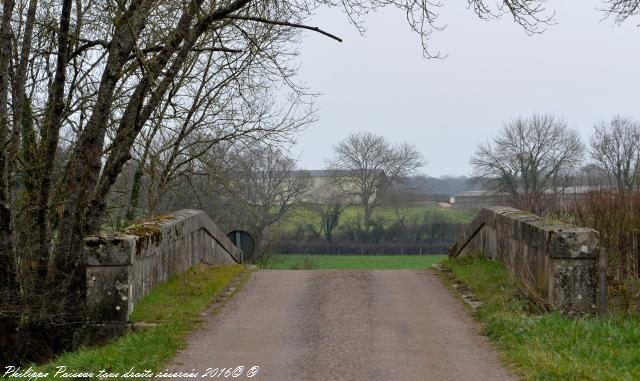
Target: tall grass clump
{"x": 615, "y": 214}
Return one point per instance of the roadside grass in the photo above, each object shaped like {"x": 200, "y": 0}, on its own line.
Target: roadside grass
{"x": 419, "y": 211}
{"x": 175, "y": 305}
{"x": 351, "y": 262}
{"x": 549, "y": 346}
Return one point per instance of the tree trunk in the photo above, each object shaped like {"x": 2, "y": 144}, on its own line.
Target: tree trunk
{"x": 19, "y": 95}
{"x": 24, "y": 157}
{"x": 83, "y": 168}
{"x": 6, "y": 247}
{"x": 135, "y": 116}
{"x": 368, "y": 211}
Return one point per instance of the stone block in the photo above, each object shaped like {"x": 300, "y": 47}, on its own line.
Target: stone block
{"x": 113, "y": 250}
{"x": 573, "y": 242}
{"x": 572, "y": 285}
{"x": 109, "y": 293}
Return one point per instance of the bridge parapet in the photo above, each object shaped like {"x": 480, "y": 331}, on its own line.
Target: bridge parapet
{"x": 122, "y": 268}
{"x": 558, "y": 260}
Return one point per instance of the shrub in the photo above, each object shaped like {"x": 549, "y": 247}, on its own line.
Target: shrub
{"x": 348, "y": 247}
{"x": 615, "y": 214}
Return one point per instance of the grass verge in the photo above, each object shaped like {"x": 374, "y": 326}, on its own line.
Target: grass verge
{"x": 351, "y": 262}
{"x": 549, "y": 346}
{"x": 176, "y": 306}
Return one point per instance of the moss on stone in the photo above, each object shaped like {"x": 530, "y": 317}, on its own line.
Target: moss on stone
{"x": 142, "y": 230}
{"x": 148, "y": 232}
{"x": 150, "y": 226}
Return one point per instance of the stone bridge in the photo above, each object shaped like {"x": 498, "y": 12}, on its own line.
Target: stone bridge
{"x": 338, "y": 324}
{"x": 556, "y": 259}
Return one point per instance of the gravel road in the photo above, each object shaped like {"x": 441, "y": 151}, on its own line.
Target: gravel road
{"x": 344, "y": 325}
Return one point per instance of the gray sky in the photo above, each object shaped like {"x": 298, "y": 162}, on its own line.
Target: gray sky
{"x": 582, "y": 68}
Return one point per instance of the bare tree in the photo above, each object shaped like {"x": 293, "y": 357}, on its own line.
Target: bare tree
{"x": 329, "y": 204}
{"x": 621, "y": 10}
{"x": 530, "y": 159}
{"x": 615, "y": 147}
{"x": 263, "y": 186}
{"x": 402, "y": 205}
{"x": 365, "y": 165}
{"x": 592, "y": 175}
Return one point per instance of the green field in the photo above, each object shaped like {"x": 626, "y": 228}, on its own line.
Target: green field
{"x": 350, "y": 262}
{"x": 418, "y": 212}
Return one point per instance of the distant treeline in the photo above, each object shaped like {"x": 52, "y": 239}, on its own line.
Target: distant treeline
{"x": 412, "y": 237}
{"x": 345, "y": 247}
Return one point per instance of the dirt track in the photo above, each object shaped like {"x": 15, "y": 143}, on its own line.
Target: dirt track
{"x": 344, "y": 325}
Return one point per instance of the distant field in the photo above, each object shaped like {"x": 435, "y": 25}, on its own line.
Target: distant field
{"x": 351, "y": 262}
{"x": 419, "y": 212}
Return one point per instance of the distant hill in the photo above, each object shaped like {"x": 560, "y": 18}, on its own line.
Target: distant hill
{"x": 416, "y": 185}
{"x": 446, "y": 185}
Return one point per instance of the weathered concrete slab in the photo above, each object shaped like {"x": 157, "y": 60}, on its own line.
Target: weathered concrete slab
{"x": 556, "y": 259}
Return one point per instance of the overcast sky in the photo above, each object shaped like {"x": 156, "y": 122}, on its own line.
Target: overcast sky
{"x": 582, "y": 68}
